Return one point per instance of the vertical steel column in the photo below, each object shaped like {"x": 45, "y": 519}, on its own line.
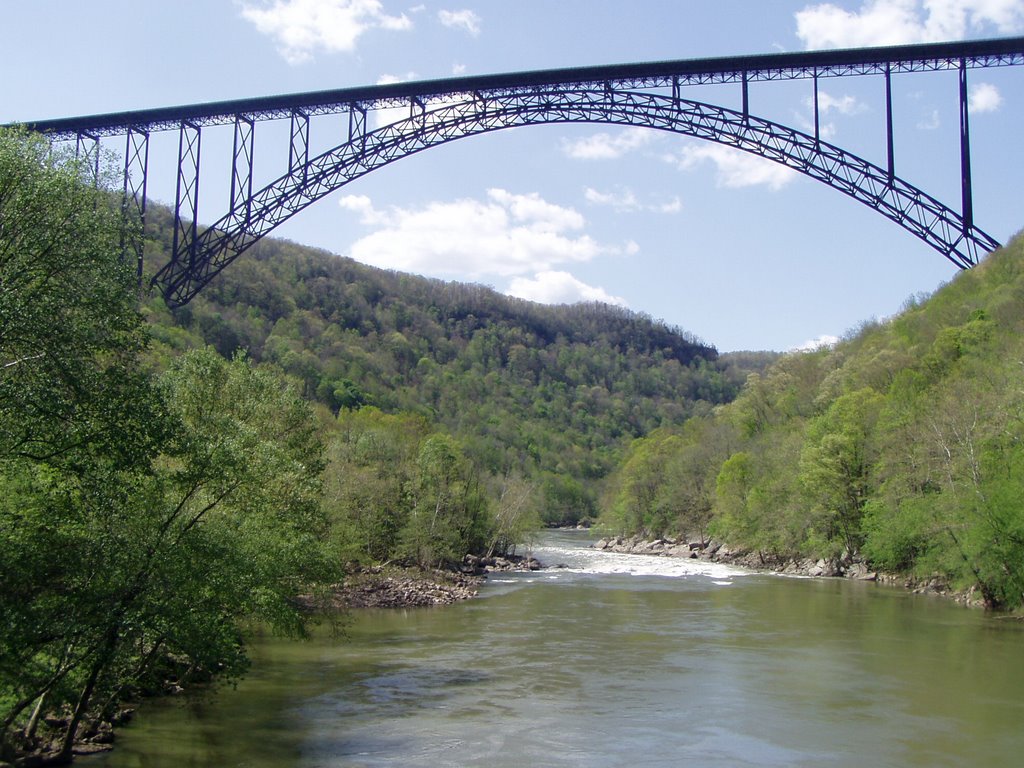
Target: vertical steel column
{"x": 298, "y": 149}
{"x": 186, "y": 197}
{"x": 478, "y": 97}
{"x": 889, "y": 143}
{"x": 241, "y": 169}
{"x": 746, "y": 97}
{"x": 965, "y": 151}
{"x": 133, "y": 196}
{"x": 415, "y": 103}
{"x": 357, "y": 125}
{"x": 88, "y": 146}
{"x": 817, "y": 121}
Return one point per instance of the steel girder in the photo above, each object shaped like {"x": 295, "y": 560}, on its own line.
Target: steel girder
{"x": 461, "y": 116}
{"x": 927, "y": 57}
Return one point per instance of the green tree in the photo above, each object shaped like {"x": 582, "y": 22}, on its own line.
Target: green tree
{"x": 836, "y": 466}
{"x": 69, "y": 330}
{"x": 77, "y": 415}
{"x": 644, "y": 503}
{"x": 225, "y": 524}
{"x": 689, "y": 490}
{"x": 515, "y": 517}
{"x": 449, "y": 515}
{"x": 368, "y": 481}
{"x": 139, "y": 519}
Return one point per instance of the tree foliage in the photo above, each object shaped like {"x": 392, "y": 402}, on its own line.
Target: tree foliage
{"x": 903, "y": 445}
{"x": 141, "y": 517}
{"x": 550, "y": 394}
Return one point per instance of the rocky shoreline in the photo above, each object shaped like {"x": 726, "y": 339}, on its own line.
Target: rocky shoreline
{"x": 845, "y": 567}
{"x": 393, "y": 587}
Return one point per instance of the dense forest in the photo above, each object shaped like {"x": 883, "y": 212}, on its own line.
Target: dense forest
{"x": 549, "y": 395}
{"x": 903, "y": 446}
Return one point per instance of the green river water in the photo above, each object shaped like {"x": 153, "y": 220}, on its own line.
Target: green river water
{"x": 618, "y": 660}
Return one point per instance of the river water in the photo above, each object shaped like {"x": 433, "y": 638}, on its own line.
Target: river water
{"x": 618, "y": 660}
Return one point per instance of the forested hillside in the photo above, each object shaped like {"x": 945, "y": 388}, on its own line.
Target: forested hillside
{"x": 158, "y": 495}
{"x": 903, "y": 445}
{"x": 546, "y": 393}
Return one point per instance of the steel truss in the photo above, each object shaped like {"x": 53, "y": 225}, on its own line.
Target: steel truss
{"x": 924, "y": 216}
{"x": 647, "y": 95}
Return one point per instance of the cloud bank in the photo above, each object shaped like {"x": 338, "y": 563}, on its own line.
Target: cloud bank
{"x": 899, "y": 22}
{"x": 302, "y": 28}
{"x": 734, "y": 168}
{"x": 517, "y": 237}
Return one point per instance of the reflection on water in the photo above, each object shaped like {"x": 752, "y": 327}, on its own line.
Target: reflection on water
{"x": 619, "y": 660}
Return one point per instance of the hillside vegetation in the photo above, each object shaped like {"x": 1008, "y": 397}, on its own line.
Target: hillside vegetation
{"x": 547, "y": 394}
{"x": 902, "y": 445}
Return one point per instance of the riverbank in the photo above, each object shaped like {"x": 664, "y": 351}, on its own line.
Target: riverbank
{"x": 397, "y": 587}
{"x": 393, "y": 587}
{"x": 848, "y": 568}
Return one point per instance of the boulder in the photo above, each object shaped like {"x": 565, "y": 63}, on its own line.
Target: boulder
{"x": 860, "y": 572}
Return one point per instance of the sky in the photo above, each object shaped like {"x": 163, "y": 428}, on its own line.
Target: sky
{"x": 734, "y": 249}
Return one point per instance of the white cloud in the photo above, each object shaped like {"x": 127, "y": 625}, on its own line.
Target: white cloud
{"x": 625, "y": 201}
{"x": 675, "y": 205}
{"x": 896, "y": 22}
{"x": 984, "y": 97}
{"x": 388, "y": 79}
{"x": 553, "y": 287}
{"x": 844, "y": 105}
{"x": 620, "y": 201}
{"x": 882, "y": 22}
{"x": 811, "y": 345}
{"x": 505, "y": 235}
{"x": 464, "y": 19}
{"x": 735, "y": 167}
{"x": 608, "y": 146}
{"x": 301, "y": 28}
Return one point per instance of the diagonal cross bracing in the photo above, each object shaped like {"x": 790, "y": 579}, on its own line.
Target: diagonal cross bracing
{"x": 439, "y": 111}
{"x": 927, "y": 218}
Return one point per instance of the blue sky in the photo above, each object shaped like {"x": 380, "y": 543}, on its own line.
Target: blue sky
{"x": 738, "y": 251}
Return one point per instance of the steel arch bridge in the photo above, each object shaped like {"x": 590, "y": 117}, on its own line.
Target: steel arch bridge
{"x": 441, "y": 111}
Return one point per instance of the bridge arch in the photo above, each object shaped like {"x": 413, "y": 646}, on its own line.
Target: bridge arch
{"x": 460, "y": 117}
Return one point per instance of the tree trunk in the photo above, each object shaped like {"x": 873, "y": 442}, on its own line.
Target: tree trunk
{"x": 33, "y": 721}
{"x": 83, "y": 702}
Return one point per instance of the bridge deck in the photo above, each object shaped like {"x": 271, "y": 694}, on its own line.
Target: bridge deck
{"x": 777, "y": 66}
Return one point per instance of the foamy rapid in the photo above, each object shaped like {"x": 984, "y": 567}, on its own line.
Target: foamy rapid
{"x": 596, "y": 561}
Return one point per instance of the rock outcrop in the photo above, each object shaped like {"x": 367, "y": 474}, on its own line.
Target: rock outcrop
{"x": 714, "y": 551}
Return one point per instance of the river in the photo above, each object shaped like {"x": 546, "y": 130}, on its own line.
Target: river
{"x": 618, "y": 660}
